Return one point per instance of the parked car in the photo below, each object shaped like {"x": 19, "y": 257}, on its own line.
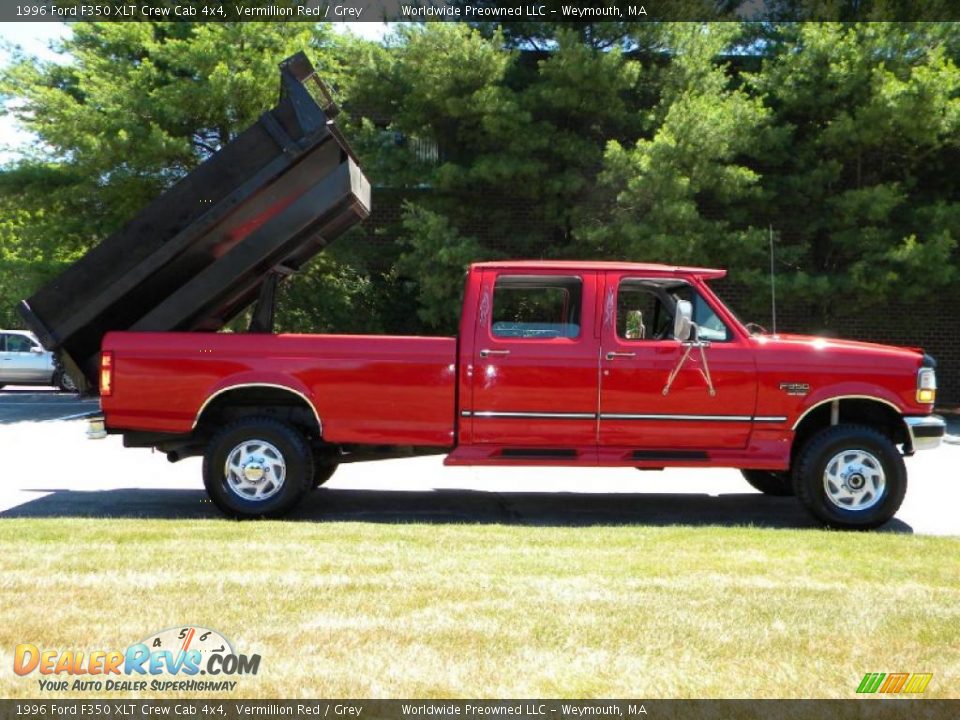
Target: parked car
{"x": 23, "y": 361}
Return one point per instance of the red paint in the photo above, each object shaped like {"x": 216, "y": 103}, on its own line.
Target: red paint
{"x": 382, "y": 390}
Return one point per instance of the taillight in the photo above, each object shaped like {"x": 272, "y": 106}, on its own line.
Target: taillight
{"x": 106, "y": 374}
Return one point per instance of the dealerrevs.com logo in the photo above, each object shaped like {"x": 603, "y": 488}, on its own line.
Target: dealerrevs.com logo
{"x": 182, "y": 652}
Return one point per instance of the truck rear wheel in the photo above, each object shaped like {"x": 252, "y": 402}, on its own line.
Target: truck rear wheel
{"x": 257, "y": 467}
{"x": 850, "y": 477}
{"x": 769, "y": 482}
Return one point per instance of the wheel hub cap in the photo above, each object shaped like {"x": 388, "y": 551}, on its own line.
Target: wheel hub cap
{"x": 255, "y": 470}
{"x": 854, "y": 480}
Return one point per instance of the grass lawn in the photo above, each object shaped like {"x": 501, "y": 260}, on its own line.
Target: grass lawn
{"x": 409, "y": 610}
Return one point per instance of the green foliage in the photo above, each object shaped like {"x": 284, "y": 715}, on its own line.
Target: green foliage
{"x": 644, "y": 141}
{"x": 328, "y": 296}
{"x": 670, "y": 197}
{"x": 860, "y": 179}
{"x": 437, "y": 260}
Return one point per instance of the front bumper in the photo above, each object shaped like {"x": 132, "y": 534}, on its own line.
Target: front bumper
{"x": 926, "y": 431}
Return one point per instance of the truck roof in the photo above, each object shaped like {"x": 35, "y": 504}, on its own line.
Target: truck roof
{"x": 645, "y": 268}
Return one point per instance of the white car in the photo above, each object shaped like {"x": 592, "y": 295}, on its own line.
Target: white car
{"x": 23, "y": 361}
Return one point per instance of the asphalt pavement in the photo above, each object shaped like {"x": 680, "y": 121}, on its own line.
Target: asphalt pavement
{"x": 18, "y": 404}
{"x": 60, "y": 473}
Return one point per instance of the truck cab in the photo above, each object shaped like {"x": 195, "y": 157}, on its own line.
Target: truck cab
{"x": 616, "y": 364}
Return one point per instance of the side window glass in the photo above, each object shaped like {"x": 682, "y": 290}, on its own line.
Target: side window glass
{"x": 639, "y": 313}
{"x": 645, "y": 311}
{"x": 18, "y": 343}
{"x": 536, "y": 307}
{"x": 709, "y": 325}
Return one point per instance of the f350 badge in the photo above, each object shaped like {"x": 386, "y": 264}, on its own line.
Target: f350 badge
{"x": 795, "y": 388}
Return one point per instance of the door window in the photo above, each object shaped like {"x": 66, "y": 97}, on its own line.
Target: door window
{"x": 645, "y": 310}
{"x": 18, "y": 343}
{"x": 536, "y": 307}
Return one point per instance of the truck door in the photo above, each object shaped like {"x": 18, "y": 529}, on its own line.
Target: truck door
{"x": 638, "y": 356}
{"x": 535, "y": 360}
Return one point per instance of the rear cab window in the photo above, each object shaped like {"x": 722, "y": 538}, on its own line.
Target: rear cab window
{"x": 537, "y": 307}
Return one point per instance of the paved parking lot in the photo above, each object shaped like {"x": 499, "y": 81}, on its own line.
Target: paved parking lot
{"x": 52, "y": 470}
{"x": 24, "y": 403}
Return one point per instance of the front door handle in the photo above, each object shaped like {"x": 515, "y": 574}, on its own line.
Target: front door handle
{"x": 614, "y": 355}
{"x": 487, "y": 352}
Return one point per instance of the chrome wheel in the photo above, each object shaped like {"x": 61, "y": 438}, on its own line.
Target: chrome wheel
{"x": 854, "y": 480}
{"x": 255, "y": 470}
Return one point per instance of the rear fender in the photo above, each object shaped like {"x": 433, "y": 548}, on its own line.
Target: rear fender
{"x": 250, "y": 380}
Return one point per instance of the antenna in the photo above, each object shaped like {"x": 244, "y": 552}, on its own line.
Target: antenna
{"x": 773, "y": 286}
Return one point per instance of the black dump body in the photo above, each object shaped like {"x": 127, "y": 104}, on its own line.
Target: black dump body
{"x": 217, "y": 240}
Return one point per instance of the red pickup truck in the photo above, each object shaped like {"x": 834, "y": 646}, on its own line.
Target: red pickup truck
{"x": 556, "y": 363}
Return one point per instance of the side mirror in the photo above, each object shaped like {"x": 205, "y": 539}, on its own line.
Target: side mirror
{"x": 682, "y": 323}
{"x": 36, "y": 349}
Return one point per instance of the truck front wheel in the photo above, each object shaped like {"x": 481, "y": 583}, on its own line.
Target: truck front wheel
{"x": 769, "y": 482}
{"x": 257, "y": 467}
{"x": 850, "y": 477}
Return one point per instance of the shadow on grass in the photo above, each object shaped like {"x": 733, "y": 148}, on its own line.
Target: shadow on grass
{"x": 451, "y": 506}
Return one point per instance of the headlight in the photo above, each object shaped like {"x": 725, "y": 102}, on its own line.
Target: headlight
{"x": 926, "y": 386}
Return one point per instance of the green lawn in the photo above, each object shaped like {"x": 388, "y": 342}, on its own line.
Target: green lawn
{"x": 409, "y": 610}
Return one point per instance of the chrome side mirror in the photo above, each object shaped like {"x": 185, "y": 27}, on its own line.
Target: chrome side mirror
{"x": 682, "y": 323}
{"x": 36, "y": 349}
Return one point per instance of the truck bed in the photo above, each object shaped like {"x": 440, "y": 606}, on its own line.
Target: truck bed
{"x": 192, "y": 259}
{"x": 365, "y": 389}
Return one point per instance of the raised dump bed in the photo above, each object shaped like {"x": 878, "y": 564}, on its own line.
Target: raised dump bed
{"x": 217, "y": 240}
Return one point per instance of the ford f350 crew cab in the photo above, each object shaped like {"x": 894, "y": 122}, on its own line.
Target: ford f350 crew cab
{"x": 555, "y": 363}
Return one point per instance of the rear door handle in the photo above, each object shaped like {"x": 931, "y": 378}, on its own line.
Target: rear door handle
{"x": 487, "y": 352}
{"x": 614, "y": 355}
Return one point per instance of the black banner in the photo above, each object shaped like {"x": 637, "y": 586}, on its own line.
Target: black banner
{"x": 574, "y": 11}
{"x": 882, "y": 709}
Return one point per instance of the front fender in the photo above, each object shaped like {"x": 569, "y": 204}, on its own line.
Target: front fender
{"x": 847, "y": 391}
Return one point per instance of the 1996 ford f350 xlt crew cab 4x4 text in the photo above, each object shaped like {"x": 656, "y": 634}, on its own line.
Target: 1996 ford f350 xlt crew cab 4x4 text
{"x": 556, "y": 363}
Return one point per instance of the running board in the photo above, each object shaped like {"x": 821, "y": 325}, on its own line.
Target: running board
{"x": 762, "y": 454}
{"x": 670, "y": 455}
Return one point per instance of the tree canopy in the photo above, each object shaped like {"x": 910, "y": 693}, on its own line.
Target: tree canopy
{"x": 665, "y": 142}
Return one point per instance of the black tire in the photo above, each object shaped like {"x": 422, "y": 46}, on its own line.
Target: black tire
{"x": 233, "y": 494}
{"x": 323, "y": 470}
{"x": 63, "y": 381}
{"x": 770, "y": 482}
{"x": 825, "y": 449}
